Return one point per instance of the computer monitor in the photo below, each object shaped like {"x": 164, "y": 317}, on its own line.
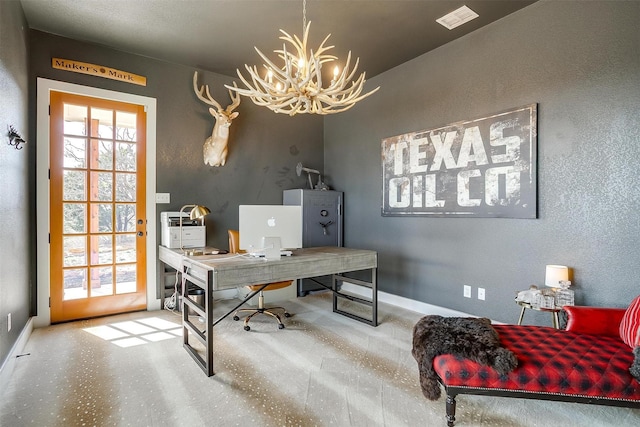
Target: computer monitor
{"x": 273, "y": 222}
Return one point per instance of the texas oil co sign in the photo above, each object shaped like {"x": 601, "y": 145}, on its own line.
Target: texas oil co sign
{"x": 477, "y": 168}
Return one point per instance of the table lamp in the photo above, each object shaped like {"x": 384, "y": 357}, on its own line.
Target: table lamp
{"x": 556, "y": 274}
{"x": 197, "y": 212}
{"x": 557, "y": 278}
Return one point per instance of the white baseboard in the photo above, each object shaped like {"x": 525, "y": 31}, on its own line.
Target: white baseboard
{"x": 9, "y": 364}
{"x": 408, "y": 304}
{"x": 419, "y": 306}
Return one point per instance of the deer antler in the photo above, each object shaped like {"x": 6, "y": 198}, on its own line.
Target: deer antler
{"x": 235, "y": 97}
{"x": 205, "y": 89}
{"x": 235, "y": 100}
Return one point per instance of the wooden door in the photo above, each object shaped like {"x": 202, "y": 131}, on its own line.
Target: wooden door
{"x": 97, "y": 207}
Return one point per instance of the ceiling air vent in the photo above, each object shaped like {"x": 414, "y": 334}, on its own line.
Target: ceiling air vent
{"x": 457, "y": 17}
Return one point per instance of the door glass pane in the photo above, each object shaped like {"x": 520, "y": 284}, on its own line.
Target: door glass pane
{"x": 125, "y": 278}
{"x": 101, "y": 218}
{"x": 75, "y": 120}
{"x": 74, "y": 184}
{"x": 101, "y": 186}
{"x": 125, "y": 218}
{"x": 101, "y": 154}
{"x": 101, "y": 249}
{"x": 75, "y": 218}
{"x": 75, "y": 152}
{"x": 126, "y": 248}
{"x": 103, "y": 119}
{"x": 75, "y": 283}
{"x": 125, "y": 126}
{"x": 101, "y": 281}
{"x": 125, "y": 187}
{"x": 74, "y": 250}
{"x": 125, "y": 157}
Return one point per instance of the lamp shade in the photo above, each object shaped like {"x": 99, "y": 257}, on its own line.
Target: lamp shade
{"x": 555, "y": 274}
{"x": 199, "y": 211}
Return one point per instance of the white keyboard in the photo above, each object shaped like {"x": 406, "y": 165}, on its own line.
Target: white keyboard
{"x": 261, "y": 254}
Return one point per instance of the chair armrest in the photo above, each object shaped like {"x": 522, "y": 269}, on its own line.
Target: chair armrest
{"x": 594, "y": 320}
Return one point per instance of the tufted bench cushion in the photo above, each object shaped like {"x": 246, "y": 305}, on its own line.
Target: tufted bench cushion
{"x": 553, "y": 362}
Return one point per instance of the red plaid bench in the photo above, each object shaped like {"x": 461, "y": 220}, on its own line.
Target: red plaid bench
{"x": 553, "y": 364}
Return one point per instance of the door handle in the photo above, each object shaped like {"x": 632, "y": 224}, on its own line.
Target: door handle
{"x": 324, "y": 227}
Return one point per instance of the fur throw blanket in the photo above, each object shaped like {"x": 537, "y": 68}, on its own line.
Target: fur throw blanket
{"x": 635, "y": 366}
{"x": 468, "y": 337}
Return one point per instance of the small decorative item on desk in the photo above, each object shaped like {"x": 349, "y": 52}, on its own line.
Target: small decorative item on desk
{"x": 564, "y": 295}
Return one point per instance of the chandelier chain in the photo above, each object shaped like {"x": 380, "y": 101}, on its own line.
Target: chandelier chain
{"x": 304, "y": 15}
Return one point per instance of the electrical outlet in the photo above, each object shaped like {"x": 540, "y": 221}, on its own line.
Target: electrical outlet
{"x": 467, "y": 291}
{"x": 9, "y": 322}
{"x": 163, "y": 198}
{"x": 481, "y": 294}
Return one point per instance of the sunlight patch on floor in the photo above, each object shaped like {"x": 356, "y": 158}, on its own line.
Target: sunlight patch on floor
{"x": 137, "y": 332}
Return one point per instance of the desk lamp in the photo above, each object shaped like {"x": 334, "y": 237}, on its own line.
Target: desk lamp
{"x": 197, "y": 212}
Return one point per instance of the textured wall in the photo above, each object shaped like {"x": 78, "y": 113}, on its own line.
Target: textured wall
{"x": 579, "y": 62}
{"x": 15, "y": 168}
{"x": 264, "y": 147}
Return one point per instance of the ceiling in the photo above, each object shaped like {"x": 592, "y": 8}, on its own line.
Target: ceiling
{"x": 220, "y": 35}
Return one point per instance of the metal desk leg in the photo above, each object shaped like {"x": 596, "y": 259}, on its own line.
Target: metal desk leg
{"x": 556, "y": 320}
{"x": 521, "y": 315}
{"x": 371, "y": 302}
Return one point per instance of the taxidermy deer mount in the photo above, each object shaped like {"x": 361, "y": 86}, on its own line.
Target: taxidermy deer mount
{"x": 215, "y": 147}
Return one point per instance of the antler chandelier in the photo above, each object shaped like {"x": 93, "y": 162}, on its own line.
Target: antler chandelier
{"x": 297, "y": 86}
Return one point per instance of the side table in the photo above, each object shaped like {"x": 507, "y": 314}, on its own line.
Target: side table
{"x": 554, "y": 312}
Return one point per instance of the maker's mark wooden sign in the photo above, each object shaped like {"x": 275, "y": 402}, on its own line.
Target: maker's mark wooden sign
{"x": 477, "y": 168}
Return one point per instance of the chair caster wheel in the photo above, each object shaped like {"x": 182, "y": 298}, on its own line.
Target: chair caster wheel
{"x": 280, "y": 326}
{"x": 236, "y": 318}
{"x": 286, "y": 314}
{"x": 247, "y": 328}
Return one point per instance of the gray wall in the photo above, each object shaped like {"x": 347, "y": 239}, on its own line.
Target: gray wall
{"x": 264, "y": 147}
{"x": 579, "y": 61}
{"x": 15, "y": 168}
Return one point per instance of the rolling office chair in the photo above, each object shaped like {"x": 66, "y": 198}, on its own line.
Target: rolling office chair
{"x": 234, "y": 243}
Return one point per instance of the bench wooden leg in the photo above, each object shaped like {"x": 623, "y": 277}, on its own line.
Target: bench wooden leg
{"x": 451, "y": 410}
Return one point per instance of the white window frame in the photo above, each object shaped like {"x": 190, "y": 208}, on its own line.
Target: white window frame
{"x": 44, "y": 88}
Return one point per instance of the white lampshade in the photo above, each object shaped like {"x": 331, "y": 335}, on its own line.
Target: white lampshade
{"x": 555, "y": 274}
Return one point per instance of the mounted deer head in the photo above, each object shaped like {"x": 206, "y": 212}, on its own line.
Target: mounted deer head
{"x": 215, "y": 147}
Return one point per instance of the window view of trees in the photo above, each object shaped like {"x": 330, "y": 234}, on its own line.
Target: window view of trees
{"x": 99, "y": 196}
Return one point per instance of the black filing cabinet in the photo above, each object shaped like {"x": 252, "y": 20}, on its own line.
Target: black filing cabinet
{"x": 322, "y": 212}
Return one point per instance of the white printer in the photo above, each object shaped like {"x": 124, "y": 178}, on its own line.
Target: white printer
{"x": 193, "y": 231}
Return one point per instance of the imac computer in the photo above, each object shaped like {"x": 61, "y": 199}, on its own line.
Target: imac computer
{"x": 270, "y": 230}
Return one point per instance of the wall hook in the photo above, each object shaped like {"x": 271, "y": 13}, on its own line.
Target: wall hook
{"x": 15, "y": 139}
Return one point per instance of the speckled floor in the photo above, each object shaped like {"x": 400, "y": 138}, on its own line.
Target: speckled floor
{"x": 322, "y": 370}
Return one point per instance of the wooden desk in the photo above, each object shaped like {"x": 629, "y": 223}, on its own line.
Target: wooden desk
{"x": 215, "y": 272}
